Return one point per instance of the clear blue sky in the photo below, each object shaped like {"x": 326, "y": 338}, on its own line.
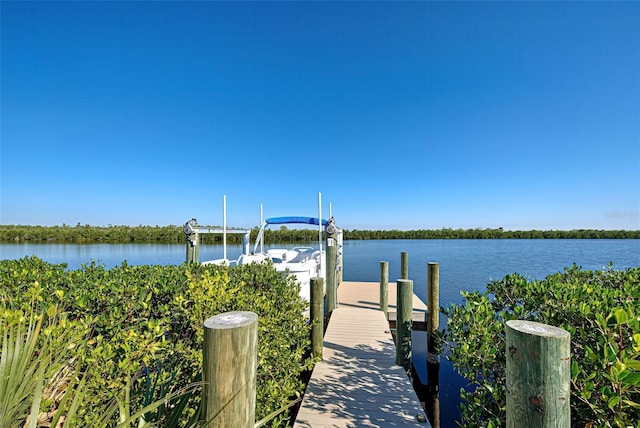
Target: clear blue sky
{"x": 522, "y": 115}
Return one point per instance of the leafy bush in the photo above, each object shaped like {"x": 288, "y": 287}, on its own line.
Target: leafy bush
{"x": 139, "y": 331}
{"x": 599, "y": 308}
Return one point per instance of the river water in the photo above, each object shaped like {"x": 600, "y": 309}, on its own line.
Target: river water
{"x": 464, "y": 265}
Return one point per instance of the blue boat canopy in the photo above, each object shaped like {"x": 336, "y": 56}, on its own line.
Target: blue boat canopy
{"x": 289, "y": 220}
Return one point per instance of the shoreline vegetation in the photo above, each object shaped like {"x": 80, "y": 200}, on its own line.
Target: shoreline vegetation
{"x": 97, "y": 347}
{"x": 598, "y": 308}
{"x": 173, "y": 234}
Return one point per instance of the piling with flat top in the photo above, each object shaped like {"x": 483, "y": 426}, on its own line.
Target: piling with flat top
{"x": 384, "y": 288}
{"x": 404, "y": 321}
{"x": 229, "y": 369}
{"x": 317, "y": 316}
{"x": 538, "y": 375}
{"x": 433, "y": 302}
{"x": 404, "y": 265}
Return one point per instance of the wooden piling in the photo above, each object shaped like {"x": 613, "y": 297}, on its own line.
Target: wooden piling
{"x": 404, "y": 265}
{"x": 384, "y": 288}
{"x": 404, "y": 301}
{"x": 193, "y": 244}
{"x": 317, "y": 316}
{"x": 332, "y": 289}
{"x": 340, "y": 269}
{"x": 433, "y": 359}
{"x": 229, "y": 370}
{"x": 433, "y": 303}
{"x": 538, "y": 375}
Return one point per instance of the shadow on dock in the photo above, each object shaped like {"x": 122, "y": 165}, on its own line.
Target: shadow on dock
{"x": 358, "y": 384}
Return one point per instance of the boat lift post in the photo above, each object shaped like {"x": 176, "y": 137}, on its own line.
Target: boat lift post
{"x": 332, "y": 286}
{"x": 192, "y": 240}
{"x": 320, "y": 233}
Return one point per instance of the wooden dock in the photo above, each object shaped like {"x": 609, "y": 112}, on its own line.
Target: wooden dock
{"x": 367, "y": 295}
{"x": 358, "y": 384}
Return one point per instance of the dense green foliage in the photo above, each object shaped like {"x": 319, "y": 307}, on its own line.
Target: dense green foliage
{"x": 87, "y": 233}
{"x": 491, "y": 234}
{"x": 174, "y": 234}
{"x": 600, "y": 309}
{"x": 140, "y": 234}
{"x": 142, "y": 325}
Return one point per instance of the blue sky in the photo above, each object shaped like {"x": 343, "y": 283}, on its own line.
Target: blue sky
{"x": 405, "y": 115}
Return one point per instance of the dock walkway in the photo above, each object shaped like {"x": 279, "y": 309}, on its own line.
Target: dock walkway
{"x": 358, "y": 384}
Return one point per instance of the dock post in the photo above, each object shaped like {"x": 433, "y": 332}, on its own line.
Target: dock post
{"x": 317, "y": 317}
{"x": 384, "y": 288}
{"x": 404, "y": 265}
{"x": 404, "y": 321}
{"x": 340, "y": 266}
{"x": 229, "y": 368}
{"x": 192, "y": 247}
{"x": 433, "y": 359}
{"x": 192, "y": 240}
{"x": 332, "y": 252}
{"x": 433, "y": 303}
{"x": 538, "y": 375}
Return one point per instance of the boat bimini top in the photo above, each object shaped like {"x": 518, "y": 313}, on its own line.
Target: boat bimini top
{"x": 285, "y": 220}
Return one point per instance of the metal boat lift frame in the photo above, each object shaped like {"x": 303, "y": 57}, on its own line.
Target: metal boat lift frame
{"x": 192, "y": 231}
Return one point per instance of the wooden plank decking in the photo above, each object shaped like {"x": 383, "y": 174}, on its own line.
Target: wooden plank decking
{"x": 367, "y": 295}
{"x": 357, "y": 384}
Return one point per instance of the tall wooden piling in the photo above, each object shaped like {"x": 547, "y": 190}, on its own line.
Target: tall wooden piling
{"x": 404, "y": 265}
{"x": 229, "y": 369}
{"x": 192, "y": 247}
{"x": 317, "y": 316}
{"x": 332, "y": 289}
{"x": 384, "y": 288}
{"x": 433, "y": 359}
{"x": 538, "y": 375}
{"x": 404, "y": 321}
{"x": 433, "y": 303}
{"x": 340, "y": 267}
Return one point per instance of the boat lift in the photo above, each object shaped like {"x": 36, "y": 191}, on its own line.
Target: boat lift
{"x": 192, "y": 232}
{"x": 303, "y": 262}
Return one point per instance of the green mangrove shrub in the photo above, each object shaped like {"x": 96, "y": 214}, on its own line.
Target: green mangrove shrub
{"x": 599, "y": 308}
{"x": 138, "y": 334}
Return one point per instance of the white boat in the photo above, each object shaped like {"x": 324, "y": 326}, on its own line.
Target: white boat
{"x": 304, "y": 262}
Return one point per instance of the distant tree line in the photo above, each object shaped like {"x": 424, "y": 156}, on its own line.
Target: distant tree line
{"x": 174, "y": 234}
{"x": 498, "y": 233}
{"x": 139, "y": 234}
{"x": 87, "y": 233}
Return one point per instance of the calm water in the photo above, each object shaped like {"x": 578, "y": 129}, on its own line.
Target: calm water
{"x": 464, "y": 265}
